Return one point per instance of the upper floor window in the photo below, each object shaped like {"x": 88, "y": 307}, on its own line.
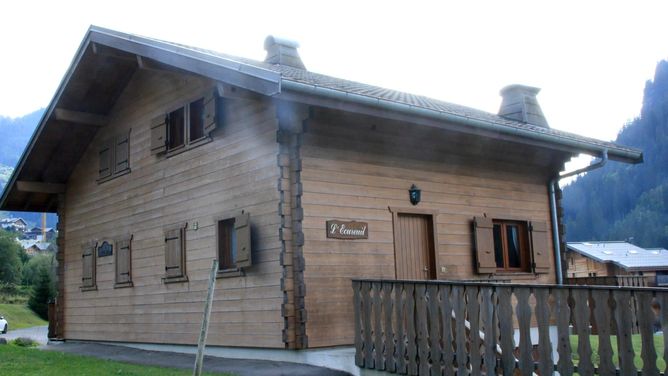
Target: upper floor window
{"x": 186, "y": 126}
{"x": 114, "y": 157}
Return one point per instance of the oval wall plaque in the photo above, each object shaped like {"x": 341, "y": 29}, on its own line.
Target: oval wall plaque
{"x": 347, "y": 229}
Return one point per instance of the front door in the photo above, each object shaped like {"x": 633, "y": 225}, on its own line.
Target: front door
{"x": 414, "y": 246}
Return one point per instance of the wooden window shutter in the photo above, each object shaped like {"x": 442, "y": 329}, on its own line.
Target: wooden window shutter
{"x": 122, "y": 153}
{"x": 123, "y": 260}
{"x": 540, "y": 251}
{"x": 174, "y": 252}
{"x": 158, "y": 135}
{"x": 88, "y": 265}
{"x": 211, "y": 113}
{"x": 106, "y": 160}
{"x": 243, "y": 234}
{"x": 484, "y": 244}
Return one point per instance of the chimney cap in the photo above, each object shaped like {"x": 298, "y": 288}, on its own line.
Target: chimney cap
{"x": 282, "y": 51}
{"x": 271, "y": 40}
{"x": 520, "y": 89}
{"x": 519, "y": 103}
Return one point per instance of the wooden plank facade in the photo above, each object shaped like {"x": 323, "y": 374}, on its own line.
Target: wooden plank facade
{"x": 159, "y": 158}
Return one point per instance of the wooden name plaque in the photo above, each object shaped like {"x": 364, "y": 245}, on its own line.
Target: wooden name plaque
{"x": 347, "y": 230}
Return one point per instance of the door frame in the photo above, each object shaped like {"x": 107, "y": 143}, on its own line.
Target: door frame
{"x": 396, "y": 210}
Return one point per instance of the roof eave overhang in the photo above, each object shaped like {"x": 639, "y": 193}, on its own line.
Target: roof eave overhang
{"x": 318, "y": 95}
{"x": 252, "y": 78}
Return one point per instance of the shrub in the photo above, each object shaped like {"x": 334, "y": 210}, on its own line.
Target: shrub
{"x": 25, "y": 342}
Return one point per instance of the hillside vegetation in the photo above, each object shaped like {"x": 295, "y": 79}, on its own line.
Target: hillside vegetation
{"x": 14, "y": 136}
{"x": 622, "y": 201}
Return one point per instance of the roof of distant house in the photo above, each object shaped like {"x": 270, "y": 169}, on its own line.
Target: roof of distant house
{"x": 27, "y": 243}
{"x": 623, "y": 254}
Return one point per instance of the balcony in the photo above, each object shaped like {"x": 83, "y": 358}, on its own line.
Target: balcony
{"x": 462, "y": 328}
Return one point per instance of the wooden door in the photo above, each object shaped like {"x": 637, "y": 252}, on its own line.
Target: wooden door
{"x": 414, "y": 246}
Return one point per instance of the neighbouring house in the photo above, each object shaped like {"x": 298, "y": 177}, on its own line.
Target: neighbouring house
{"x": 615, "y": 258}
{"x": 33, "y": 247}
{"x": 13, "y": 224}
{"x": 160, "y": 158}
{"x": 36, "y": 233}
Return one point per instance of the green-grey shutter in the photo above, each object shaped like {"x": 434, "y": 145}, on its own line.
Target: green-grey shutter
{"x": 484, "y": 244}
{"x": 540, "y": 251}
{"x": 242, "y": 229}
{"x": 174, "y": 248}
{"x": 88, "y": 264}
{"x": 122, "y": 153}
{"x": 123, "y": 260}
{"x": 211, "y": 120}
{"x": 158, "y": 134}
{"x": 105, "y": 159}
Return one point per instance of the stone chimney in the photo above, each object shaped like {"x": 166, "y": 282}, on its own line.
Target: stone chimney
{"x": 282, "y": 51}
{"x": 519, "y": 103}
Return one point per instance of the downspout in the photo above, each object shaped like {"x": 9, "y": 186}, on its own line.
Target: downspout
{"x": 553, "y": 209}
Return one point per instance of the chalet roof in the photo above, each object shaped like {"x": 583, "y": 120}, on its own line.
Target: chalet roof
{"x": 107, "y": 59}
{"x": 623, "y": 254}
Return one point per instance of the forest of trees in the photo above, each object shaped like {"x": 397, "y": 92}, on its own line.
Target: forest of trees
{"x": 622, "y": 201}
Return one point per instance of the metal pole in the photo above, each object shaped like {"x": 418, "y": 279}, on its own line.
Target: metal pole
{"x": 201, "y": 344}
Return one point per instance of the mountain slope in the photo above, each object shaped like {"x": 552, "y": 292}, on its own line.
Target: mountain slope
{"x": 623, "y": 201}
{"x": 14, "y": 136}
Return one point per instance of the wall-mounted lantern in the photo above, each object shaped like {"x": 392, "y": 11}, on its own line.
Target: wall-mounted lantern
{"x": 414, "y": 194}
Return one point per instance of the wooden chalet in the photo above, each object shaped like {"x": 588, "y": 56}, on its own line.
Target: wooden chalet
{"x": 159, "y": 158}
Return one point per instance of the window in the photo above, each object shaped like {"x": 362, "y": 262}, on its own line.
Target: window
{"x": 88, "y": 266}
{"x": 511, "y": 246}
{"x": 233, "y": 237}
{"x": 114, "y": 157}
{"x": 175, "y": 254}
{"x": 123, "y": 262}
{"x": 185, "y": 127}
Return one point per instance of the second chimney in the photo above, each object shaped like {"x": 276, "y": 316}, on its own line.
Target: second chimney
{"x": 282, "y": 51}
{"x": 520, "y": 103}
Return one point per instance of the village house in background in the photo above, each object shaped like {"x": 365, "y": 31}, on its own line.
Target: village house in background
{"x": 13, "y": 224}
{"x": 159, "y": 158}
{"x": 615, "y": 262}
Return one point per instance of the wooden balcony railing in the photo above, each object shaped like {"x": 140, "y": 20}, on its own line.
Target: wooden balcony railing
{"x": 615, "y": 280}
{"x": 462, "y": 328}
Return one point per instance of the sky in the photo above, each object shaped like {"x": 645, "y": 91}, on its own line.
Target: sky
{"x": 590, "y": 58}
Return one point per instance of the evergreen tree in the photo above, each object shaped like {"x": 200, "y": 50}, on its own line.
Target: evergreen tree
{"x": 43, "y": 292}
{"x": 10, "y": 258}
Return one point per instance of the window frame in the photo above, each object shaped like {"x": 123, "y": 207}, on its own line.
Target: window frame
{"x": 233, "y": 269}
{"x": 207, "y": 98}
{"x": 537, "y": 252}
{"x": 524, "y": 246}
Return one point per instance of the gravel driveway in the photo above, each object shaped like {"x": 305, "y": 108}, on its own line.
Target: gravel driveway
{"x": 38, "y": 333}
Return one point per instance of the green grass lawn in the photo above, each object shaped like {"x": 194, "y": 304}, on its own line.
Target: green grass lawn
{"x": 20, "y": 316}
{"x": 637, "y": 346}
{"x": 18, "y": 361}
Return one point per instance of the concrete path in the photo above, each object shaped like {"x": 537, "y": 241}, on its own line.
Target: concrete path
{"x": 241, "y": 367}
{"x": 37, "y": 333}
